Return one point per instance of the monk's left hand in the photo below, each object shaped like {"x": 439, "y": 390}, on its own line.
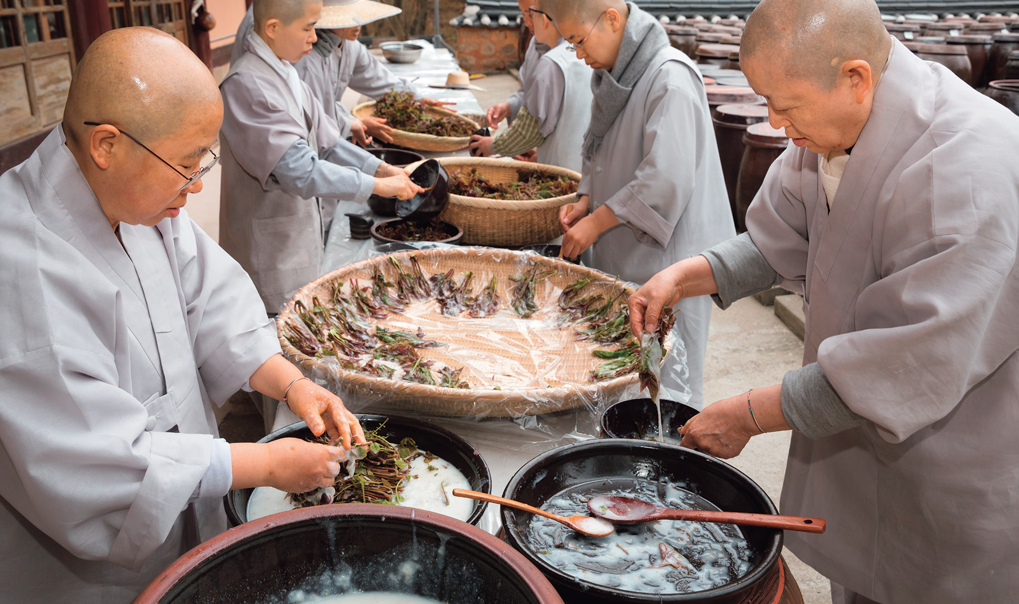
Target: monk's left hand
{"x": 481, "y": 145}
{"x": 377, "y": 128}
{"x": 584, "y": 233}
{"x": 721, "y": 429}
{"x": 437, "y": 103}
{"x": 323, "y": 411}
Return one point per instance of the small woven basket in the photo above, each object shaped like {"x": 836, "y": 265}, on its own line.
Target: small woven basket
{"x": 500, "y": 222}
{"x": 548, "y": 357}
{"x": 423, "y": 142}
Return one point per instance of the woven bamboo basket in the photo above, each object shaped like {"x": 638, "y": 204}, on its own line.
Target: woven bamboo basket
{"x": 554, "y": 364}
{"x": 500, "y": 222}
{"x": 423, "y": 142}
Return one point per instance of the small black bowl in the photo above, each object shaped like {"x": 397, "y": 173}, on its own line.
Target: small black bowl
{"x": 399, "y": 158}
{"x": 382, "y": 206}
{"x": 429, "y": 437}
{"x": 638, "y": 418}
{"x": 455, "y": 233}
{"x": 425, "y": 206}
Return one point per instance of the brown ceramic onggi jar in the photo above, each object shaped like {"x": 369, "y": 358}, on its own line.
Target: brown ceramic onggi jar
{"x": 942, "y": 29}
{"x": 1005, "y": 92}
{"x": 733, "y": 62}
{"x": 987, "y": 28}
{"x": 731, "y": 95}
{"x": 715, "y": 54}
{"x": 930, "y": 40}
{"x": 976, "y": 47}
{"x": 951, "y": 56}
{"x": 763, "y": 146}
{"x": 903, "y": 31}
{"x": 683, "y": 38}
{"x": 1002, "y": 46}
{"x": 731, "y": 122}
{"x": 913, "y": 47}
{"x": 1012, "y": 67}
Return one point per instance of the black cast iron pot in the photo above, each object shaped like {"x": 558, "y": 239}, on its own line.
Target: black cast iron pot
{"x": 337, "y": 549}
{"x": 598, "y": 460}
{"x": 429, "y": 437}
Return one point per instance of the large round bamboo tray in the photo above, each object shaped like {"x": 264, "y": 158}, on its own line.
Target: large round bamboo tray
{"x": 559, "y": 373}
{"x": 423, "y": 142}
{"x": 500, "y": 222}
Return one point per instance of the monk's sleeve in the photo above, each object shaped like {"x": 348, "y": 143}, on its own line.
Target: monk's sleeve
{"x": 78, "y": 461}
{"x": 231, "y": 334}
{"x": 544, "y": 99}
{"x": 370, "y": 76}
{"x": 675, "y": 138}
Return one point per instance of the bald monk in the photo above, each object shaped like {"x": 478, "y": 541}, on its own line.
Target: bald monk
{"x": 896, "y": 214}
{"x": 651, "y": 191}
{"x": 282, "y": 154}
{"x": 125, "y": 323}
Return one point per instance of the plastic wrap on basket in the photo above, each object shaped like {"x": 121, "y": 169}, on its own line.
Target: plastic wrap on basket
{"x": 533, "y": 373}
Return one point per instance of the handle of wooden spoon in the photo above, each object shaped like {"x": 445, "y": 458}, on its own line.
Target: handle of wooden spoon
{"x": 789, "y": 523}
{"x": 503, "y": 501}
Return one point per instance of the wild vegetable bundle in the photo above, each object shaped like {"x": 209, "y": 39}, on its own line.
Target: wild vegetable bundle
{"x": 531, "y": 184}
{"x": 402, "y": 112}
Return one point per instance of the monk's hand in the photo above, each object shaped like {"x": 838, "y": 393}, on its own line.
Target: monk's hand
{"x": 376, "y": 127}
{"x": 398, "y": 185}
{"x": 570, "y": 213}
{"x": 497, "y": 113}
{"x": 447, "y": 105}
{"x": 358, "y": 132}
{"x": 481, "y": 145}
{"x": 324, "y": 412}
{"x": 646, "y": 304}
{"x": 587, "y": 230}
{"x": 531, "y": 156}
{"x": 722, "y": 429}
{"x": 298, "y": 466}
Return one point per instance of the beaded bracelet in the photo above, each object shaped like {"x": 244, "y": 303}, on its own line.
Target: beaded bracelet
{"x": 287, "y": 391}
{"x": 752, "y": 416}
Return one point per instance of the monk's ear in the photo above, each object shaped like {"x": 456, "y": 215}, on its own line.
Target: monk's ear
{"x": 101, "y": 142}
{"x": 271, "y": 26}
{"x": 614, "y": 19}
{"x": 860, "y": 77}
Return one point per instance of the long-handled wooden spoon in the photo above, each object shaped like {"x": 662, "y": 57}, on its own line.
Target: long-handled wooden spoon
{"x": 585, "y": 525}
{"x": 625, "y": 510}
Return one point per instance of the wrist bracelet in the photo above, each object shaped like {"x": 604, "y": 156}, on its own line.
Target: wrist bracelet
{"x": 287, "y": 391}
{"x": 752, "y": 416}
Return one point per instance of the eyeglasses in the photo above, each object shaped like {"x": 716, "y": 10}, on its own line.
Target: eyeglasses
{"x": 535, "y": 11}
{"x": 575, "y": 45}
{"x": 195, "y": 176}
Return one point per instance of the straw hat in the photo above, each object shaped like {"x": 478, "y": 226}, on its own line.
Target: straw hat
{"x": 459, "y": 80}
{"x": 340, "y": 14}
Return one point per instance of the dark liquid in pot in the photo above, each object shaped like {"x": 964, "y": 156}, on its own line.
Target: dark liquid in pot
{"x": 702, "y": 555}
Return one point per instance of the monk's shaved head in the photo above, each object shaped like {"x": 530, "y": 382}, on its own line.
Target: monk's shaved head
{"x": 141, "y": 80}
{"x": 287, "y": 11}
{"x": 812, "y": 38}
{"x": 585, "y": 11}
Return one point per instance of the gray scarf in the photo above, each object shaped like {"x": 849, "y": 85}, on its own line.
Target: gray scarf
{"x": 327, "y": 42}
{"x": 643, "y": 37}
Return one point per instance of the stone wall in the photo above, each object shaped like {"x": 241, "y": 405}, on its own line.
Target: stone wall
{"x": 487, "y": 49}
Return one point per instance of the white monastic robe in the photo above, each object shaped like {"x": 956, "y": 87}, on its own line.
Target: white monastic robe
{"x": 110, "y": 356}
{"x": 911, "y": 293}
{"x": 272, "y": 223}
{"x": 347, "y": 65}
{"x": 563, "y": 125}
{"x": 658, "y": 170}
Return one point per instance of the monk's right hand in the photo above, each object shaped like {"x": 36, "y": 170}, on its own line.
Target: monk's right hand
{"x": 571, "y": 213}
{"x": 399, "y": 185}
{"x": 497, "y": 113}
{"x": 646, "y": 304}
{"x": 298, "y": 466}
{"x": 358, "y": 133}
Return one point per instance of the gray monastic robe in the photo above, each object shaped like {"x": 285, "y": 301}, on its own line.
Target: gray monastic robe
{"x": 278, "y": 237}
{"x": 911, "y": 294}
{"x": 110, "y": 356}
{"x": 535, "y": 50}
{"x": 659, "y": 172}
{"x": 348, "y": 64}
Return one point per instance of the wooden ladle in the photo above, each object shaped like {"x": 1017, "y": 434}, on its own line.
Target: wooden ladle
{"x": 585, "y": 525}
{"x": 625, "y": 510}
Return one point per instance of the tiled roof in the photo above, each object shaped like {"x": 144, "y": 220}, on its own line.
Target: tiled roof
{"x": 506, "y": 13}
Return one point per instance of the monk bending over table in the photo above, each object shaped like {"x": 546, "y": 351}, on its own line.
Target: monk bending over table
{"x": 123, "y": 322}
{"x": 896, "y": 214}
